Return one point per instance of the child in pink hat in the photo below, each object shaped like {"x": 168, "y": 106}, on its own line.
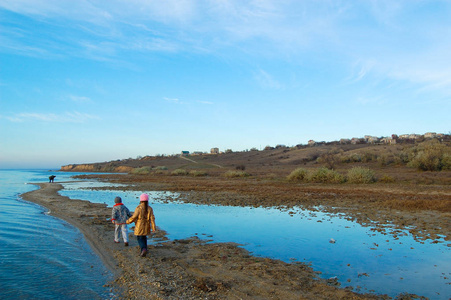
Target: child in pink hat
{"x": 144, "y": 222}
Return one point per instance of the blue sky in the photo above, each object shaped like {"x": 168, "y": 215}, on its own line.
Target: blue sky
{"x": 89, "y": 81}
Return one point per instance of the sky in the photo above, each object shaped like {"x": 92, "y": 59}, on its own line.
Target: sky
{"x": 91, "y": 81}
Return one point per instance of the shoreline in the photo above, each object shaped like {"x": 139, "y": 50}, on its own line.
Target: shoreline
{"x": 189, "y": 268}
{"x": 47, "y": 196}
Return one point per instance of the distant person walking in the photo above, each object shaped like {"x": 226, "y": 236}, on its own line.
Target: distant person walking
{"x": 119, "y": 216}
{"x": 52, "y": 178}
{"x": 144, "y": 222}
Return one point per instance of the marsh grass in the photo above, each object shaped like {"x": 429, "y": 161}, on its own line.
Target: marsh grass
{"x": 161, "y": 168}
{"x": 298, "y": 174}
{"x": 360, "y": 175}
{"x": 179, "y": 172}
{"x": 324, "y": 175}
{"x": 418, "y": 204}
{"x": 387, "y": 179}
{"x": 319, "y": 175}
{"x": 142, "y": 171}
{"x": 197, "y": 173}
{"x": 234, "y": 174}
{"x": 429, "y": 156}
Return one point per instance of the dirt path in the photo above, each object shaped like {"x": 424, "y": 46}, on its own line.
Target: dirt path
{"x": 196, "y": 162}
{"x": 186, "y": 269}
{"x": 188, "y": 159}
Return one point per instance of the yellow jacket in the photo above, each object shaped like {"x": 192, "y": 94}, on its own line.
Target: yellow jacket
{"x": 143, "y": 223}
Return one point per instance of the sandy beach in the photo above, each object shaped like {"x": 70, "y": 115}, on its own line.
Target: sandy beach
{"x": 190, "y": 268}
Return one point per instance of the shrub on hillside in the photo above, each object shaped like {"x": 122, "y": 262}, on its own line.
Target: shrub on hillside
{"x": 330, "y": 159}
{"x": 402, "y": 158}
{"x": 386, "y": 179}
{"x": 386, "y": 159}
{"x": 369, "y": 157}
{"x": 141, "y": 171}
{"x": 430, "y": 156}
{"x": 241, "y": 167}
{"x": 446, "y": 161}
{"x": 312, "y": 156}
{"x": 351, "y": 158}
{"x": 233, "y": 174}
{"x": 324, "y": 175}
{"x": 197, "y": 173}
{"x": 179, "y": 172}
{"x": 161, "y": 168}
{"x": 298, "y": 174}
{"x": 361, "y": 175}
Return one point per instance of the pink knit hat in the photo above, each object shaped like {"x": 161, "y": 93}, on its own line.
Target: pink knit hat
{"x": 144, "y": 197}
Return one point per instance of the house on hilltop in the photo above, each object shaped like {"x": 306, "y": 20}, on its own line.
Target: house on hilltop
{"x": 185, "y": 153}
{"x": 214, "y": 151}
{"x": 345, "y": 141}
{"x": 388, "y": 140}
{"x": 355, "y": 141}
{"x": 414, "y": 136}
{"x": 430, "y": 135}
{"x": 371, "y": 139}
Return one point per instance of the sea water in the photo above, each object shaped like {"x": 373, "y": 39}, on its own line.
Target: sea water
{"x": 42, "y": 257}
{"x": 366, "y": 260}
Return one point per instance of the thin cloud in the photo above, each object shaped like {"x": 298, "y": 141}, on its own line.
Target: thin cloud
{"x": 266, "y": 80}
{"x": 79, "y": 99}
{"x": 360, "y": 70}
{"x": 425, "y": 76}
{"x": 67, "y": 117}
{"x": 172, "y": 100}
{"x": 205, "y": 102}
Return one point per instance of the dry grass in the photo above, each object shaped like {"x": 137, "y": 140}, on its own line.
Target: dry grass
{"x": 234, "y": 174}
{"x": 418, "y": 204}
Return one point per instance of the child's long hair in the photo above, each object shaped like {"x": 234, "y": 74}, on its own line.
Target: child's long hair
{"x": 146, "y": 206}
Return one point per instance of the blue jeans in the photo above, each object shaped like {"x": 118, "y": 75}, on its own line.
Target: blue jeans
{"x": 142, "y": 241}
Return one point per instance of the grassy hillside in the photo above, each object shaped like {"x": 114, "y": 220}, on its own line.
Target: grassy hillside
{"x": 426, "y": 162}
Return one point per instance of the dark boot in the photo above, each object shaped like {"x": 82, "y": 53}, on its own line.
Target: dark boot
{"x": 144, "y": 253}
{"x": 126, "y": 244}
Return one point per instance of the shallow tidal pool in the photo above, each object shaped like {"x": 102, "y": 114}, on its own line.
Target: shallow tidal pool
{"x": 357, "y": 256}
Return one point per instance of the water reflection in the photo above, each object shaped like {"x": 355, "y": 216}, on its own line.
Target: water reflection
{"x": 361, "y": 258}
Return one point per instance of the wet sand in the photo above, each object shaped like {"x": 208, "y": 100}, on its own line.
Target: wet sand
{"x": 189, "y": 268}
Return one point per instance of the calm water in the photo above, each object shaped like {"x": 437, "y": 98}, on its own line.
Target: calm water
{"x": 46, "y": 258}
{"x": 371, "y": 261}
{"x": 42, "y": 257}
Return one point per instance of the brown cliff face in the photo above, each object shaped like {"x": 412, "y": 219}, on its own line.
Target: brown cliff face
{"x": 67, "y": 168}
{"x": 79, "y": 168}
{"x": 95, "y": 168}
{"x": 123, "y": 169}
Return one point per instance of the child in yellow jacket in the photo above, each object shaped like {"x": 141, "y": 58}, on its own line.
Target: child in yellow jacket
{"x": 144, "y": 222}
